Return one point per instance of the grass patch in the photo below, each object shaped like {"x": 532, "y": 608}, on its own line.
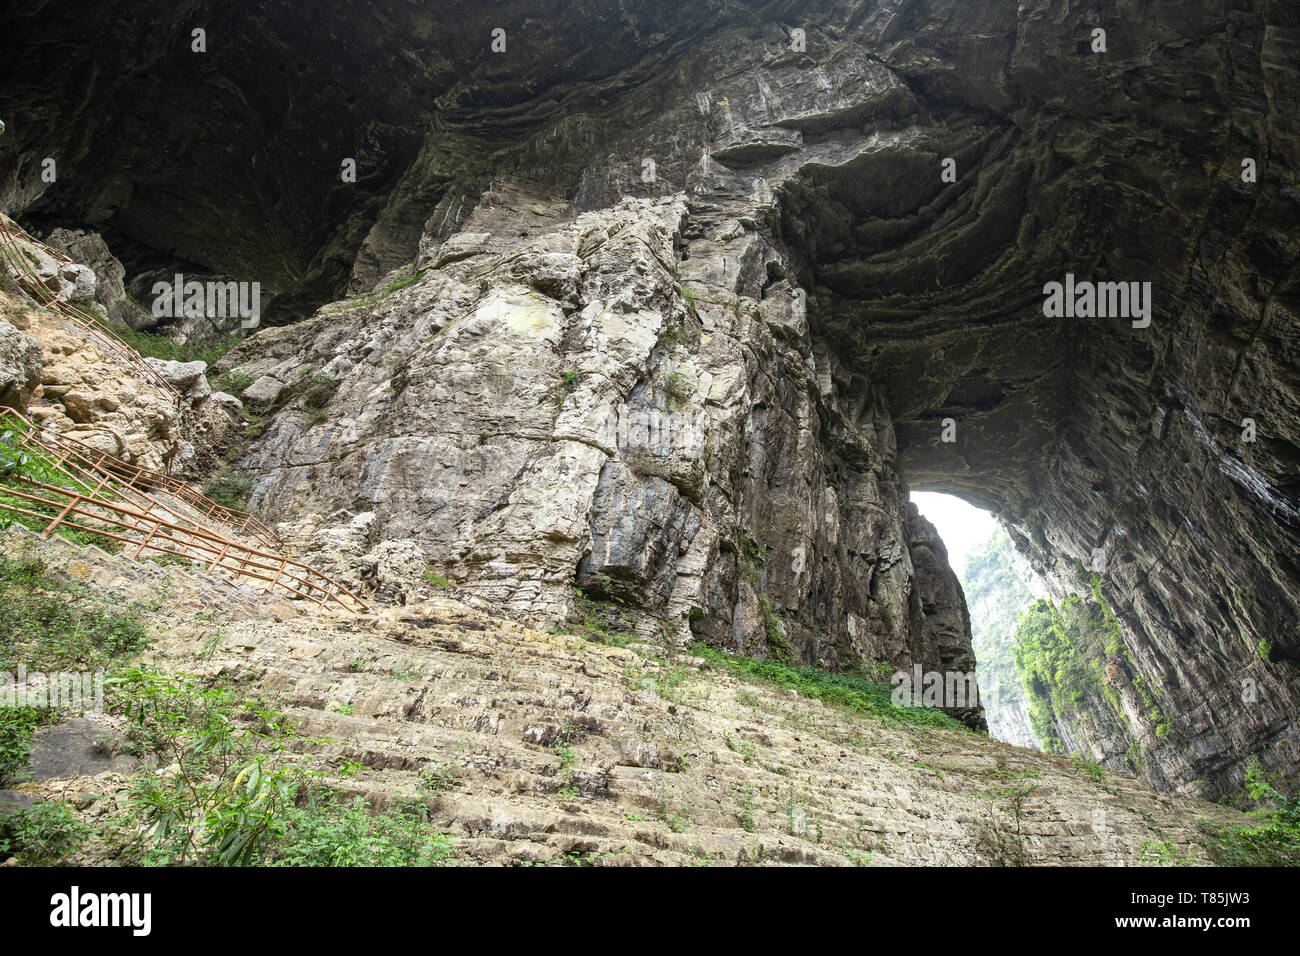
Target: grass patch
{"x": 154, "y": 345}
{"x": 853, "y": 691}
{"x": 229, "y": 488}
{"x": 1276, "y": 840}
{"x": 49, "y": 626}
{"x": 232, "y": 382}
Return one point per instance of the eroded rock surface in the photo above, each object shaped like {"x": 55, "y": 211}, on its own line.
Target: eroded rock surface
{"x": 611, "y": 403}
{"x": 622, "y": 210}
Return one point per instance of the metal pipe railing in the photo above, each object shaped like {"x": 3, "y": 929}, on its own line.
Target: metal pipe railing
{"x": 113, "y": 504}
{"x": 97, "y": 331}
{"x": 145, "y": 479}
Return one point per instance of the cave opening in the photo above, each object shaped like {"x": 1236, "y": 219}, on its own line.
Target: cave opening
{"x": 998, "y": 586}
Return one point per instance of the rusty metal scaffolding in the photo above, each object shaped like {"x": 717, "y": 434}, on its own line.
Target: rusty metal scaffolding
{"x": 64, "y": 486}
{"x": 100, "y": 334}
{"x": 146, "y": 480}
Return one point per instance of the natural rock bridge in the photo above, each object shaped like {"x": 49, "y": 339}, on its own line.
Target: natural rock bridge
{"x": 837, "y": 256}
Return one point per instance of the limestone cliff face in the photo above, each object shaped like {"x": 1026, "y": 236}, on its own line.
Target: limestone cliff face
{"x": 690, "y": 210}
{"x": 627, "y": 401}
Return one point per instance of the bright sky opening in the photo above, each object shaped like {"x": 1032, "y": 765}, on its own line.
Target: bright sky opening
{"x": 962, "y": 526}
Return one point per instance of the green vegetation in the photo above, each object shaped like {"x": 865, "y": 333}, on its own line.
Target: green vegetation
{"x": 156, "y": 345}
{"x": 745, "y": 801}
{"x": 1070, "y": 653}
{"x": 41, "y": 834}
{"x": 679, "y": 389}
{"x": 1276, "y": 840}
{"x": 750, "y": 560}
{"x": 232, "y": 382}
{"x": 51, "y": 626}
{"x": 676, "y": 821}
{"x": 854, "y": 691}
{"x": 1088, "y": 768}
{"x": 567, "y": 789}
{"x": 439, "y": 779}
{"x": 324, "y": 831}
{"x": 437, "y": 580}
{"x": 22, "y": 463}
{"x": 569, "y": 381}
{"x": 227, "y": 785}
{"x": 229, "y": 488}
{"x": 406, "y": 283}
{"x": 1006, "y": 844}
{"x": 1161, "y": 853}
{"x": 605, "y": 621}
{"x": 1058, "y": 653}
{"x": 316, "y": 389}
{"x": 234, "y": 788}
{"x": 17, "y": 725}
{"x": 996, "y": 595}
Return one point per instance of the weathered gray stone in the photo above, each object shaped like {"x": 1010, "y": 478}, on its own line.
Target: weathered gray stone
{"x": 180, "y": 375}
{"x": 109, "y": 291}
{"x": 80, "y": 747}
{"x": 227, "y": 401}
{"x": 20, "y": 366}
{"x": 263, "y": 391}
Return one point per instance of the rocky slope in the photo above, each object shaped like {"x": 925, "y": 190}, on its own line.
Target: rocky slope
{"x": 529, "y": 747}
{"x": 609, "y": 404}
{"x": 694, "y": 212}
{"x": 88, "y": 385}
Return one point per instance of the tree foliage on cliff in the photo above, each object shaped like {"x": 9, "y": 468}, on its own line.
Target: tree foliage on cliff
{"x": 995, "y": 595}
{"x": 1060, "y": 655}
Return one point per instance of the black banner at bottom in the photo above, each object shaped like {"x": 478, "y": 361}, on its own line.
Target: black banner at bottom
{"x": 268, "y": 906}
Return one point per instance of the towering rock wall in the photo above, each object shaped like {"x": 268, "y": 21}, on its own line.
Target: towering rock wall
{"x": 627, "y": 401}
{"x": 773, "y": 148}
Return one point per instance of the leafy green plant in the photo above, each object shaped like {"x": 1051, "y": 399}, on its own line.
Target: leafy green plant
{"x": 1160, "y": 853}
{"x": 745, "y": 800}
{"x": 41, "y": 834}
{"x": 1276, "y": 840}
{"x": 1089, "y": 768}
{"x": 569, "y": 381}
{"x": 439, "y": 779}
{"x": 676, "y": 821}
{"x": 225, "y": 784}
{"x": 323, "y": 830}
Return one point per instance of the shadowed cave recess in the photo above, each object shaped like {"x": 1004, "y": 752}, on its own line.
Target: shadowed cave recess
{"x": 673, "y": 305}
